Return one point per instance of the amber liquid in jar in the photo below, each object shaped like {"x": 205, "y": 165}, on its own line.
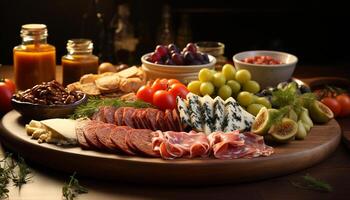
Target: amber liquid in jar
{"x": 34, "y": 60}
{"x": 78, "y": 61}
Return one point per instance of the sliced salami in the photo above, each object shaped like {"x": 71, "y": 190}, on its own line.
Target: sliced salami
{"x": 108, "y": 112}
{"x": 103, "y": 136}
{"x": 141, "y": 139}
{"x": 135, "y": 119}
{"x": 127, "y": 117}
{"x": 99, "y": 115}
{"x": 118, "y": 116}
{"x": 90, "y": 134}
{"x": 169, "y": 120}
{"x": 177, "y": 120}
{"x": 151, "y": 115}
{"x": 79, "y": 131}
{"x": 161, "y": 124}
{"x": 118, "y": 137}
{"x": 146, "y": 123}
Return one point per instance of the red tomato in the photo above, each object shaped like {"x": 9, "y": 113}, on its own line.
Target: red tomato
{"x": 145, "y": 93}
{"x": 332, "y": 104}
{"x": 344, "y": 101}
{"x": 5, "y": 97}
{"x": 160, "y": 84}
{"x": 173, "y": 81}
{"x": 164, "y": 100}
{"x": 10, "y": 84}
{"x": 178, "y": 89}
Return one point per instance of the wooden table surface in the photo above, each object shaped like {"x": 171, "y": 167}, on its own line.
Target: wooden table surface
{"x": 47, "y": 184}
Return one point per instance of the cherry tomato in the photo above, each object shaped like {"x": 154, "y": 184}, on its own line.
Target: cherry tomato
{"x": 10, "y": 84}
{"x": 160, "y": 84}
{"x": 178, "y": 89}
{"x": 145, "y": 93}
{"x": 5, "y": 97}
{"x": 332, "y": 104}
{"x": 344, "y": 101}
{"x": 173, "y": 81}
{"x": 164, "y": 100}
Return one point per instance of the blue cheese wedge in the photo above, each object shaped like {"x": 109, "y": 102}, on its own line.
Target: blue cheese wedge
{"x": 248, "y": 118}
{"x": 208, "y": 114}
{"x": 233, "y": 116}
{"x": 195, "y": 111}
{"x": 57, "y": 131}
{"x": 183, "y": 111}
{"x": 219, "y": 114}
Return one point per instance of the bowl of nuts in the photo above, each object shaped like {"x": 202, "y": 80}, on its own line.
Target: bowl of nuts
{"x": 47, "y": 100}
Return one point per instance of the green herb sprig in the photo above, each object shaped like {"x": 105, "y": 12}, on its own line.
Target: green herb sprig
{"x": 71, "y": 189}
{"x": 310, "y": 183}
{"x": 15, "y": 171}
{"x": 93, "y": 104}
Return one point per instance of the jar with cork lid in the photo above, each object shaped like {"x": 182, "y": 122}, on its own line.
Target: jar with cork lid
{"x": 34, "y": 60}
{"x": 78, "y": 61}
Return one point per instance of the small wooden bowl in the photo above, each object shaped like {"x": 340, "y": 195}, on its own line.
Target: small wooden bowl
{"x": 38, "y": 111}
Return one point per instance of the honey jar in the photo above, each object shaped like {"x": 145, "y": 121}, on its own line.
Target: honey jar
{"x": 78, "y": 61}
{"x": 34, "y": 60}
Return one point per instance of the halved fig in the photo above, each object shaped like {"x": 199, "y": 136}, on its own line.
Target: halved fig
{"x": 320, "y": 113}
{"x": 284, "y": 131}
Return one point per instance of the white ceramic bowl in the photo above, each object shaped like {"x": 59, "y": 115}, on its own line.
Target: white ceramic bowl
{"x": 183, "y": 73}
{"x": 267, "y": 75}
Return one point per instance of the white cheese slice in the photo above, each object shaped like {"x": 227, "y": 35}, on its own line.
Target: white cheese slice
{"x": 61, "y": 131}
{"x": 233, "y": 116}
{"x": 195, "y": 111}
{"x": 183, "y": 111}
{"x": 207, "y": 111}
{"x": 219, "y": 114}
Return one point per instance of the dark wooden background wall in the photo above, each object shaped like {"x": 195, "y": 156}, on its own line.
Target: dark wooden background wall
{"x": 317, "y": 32}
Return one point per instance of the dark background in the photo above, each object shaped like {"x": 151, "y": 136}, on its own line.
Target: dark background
{"x": 317, "y": 32}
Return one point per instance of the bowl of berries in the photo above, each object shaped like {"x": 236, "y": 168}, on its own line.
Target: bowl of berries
{"x": 170, "y": 62}
{"x": 267, "y": 67}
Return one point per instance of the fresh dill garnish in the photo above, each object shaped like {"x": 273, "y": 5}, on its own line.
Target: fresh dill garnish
{"x": 12, "y": 170}
{"x": 93, "y": 104}
{"x": 310, "y": 183}
{"x": 71, "y": 189}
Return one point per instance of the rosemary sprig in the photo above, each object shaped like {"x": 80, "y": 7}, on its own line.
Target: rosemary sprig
{"x": 310, "y": 183}
{"x": 71, "y": 189}
{"x": 15, "y": 171}
{"x": 88, "y": 109}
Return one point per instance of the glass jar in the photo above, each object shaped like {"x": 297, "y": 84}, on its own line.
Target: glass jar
{"x": 78, "y": 61}
{"x": 215, "y": 49}
{"x": 34, "y": 60}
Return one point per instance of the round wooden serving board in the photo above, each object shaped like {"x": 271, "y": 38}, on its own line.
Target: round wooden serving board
{"x": 297, "y": 155}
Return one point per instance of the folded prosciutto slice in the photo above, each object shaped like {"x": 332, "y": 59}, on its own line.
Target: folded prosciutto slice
{"x": 234, "y": 145}
{"x": 173, "y": 144}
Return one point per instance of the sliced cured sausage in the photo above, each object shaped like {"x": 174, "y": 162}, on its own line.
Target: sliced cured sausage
{"x": 108, "y": 112}
{"x": 103, "y": 136}
{"x": 79, "y": 131}
{"x": 169, "y": 120}
{"x": 151, "y": 115}
{"x": 118, "y": 137}
{"x": 118, "y": 116}
{"x": 177, "y": 120}
{"x": 99, "y": 115}
{"x": 141, "y": 139}
{"x": 90, "y": 134}
{"x": 161, "y": 124}
{"x": 127, "y": 117}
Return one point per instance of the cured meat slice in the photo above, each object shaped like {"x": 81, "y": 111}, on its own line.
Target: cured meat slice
{"x": 257, "y": 142}
{"x": 79, "y": 130}
{"x": 99, "y": 115}
{"x": 173, "y": 144}
{"x": 146, "y": 123}
{"x": 118, "y": 116}
{"x": 118, "y": 137}
{"x": 151, "y": 115}
{"x": 90, "y": 134}
{"x": 169, "y": 120}
{"x": 161, "y": 124}
{"x": 103, "y": 136}
{"x": 135, "y": 119}
{"x": 227, "y": 145}
{"x": 127, "y": 116}
{"x": 141, "y": 139}
{"x": 177, "y": 120}
{"x": 108, "y": 112}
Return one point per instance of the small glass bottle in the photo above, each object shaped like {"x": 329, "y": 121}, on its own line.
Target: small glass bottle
{"x": 125, "y": 41}
{"x": 165, "y": 33}
{"x": 78, "y": 61}
{"x": 34, "y": 60}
